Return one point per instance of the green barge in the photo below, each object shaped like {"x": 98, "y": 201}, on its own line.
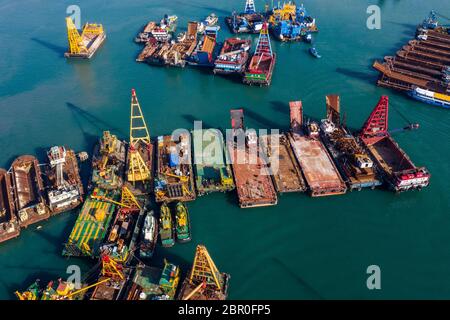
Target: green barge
{"x": 211, "y": 162}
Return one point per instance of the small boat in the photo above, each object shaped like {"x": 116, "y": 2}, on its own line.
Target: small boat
{"x": 307, "y": 37}
{"x": 149, "y": 236}
{"x": 314, "y": 52}
{"x": 183, "y": 224}
{"x": 211, "y": 20}
{"x": 166, "y": 227}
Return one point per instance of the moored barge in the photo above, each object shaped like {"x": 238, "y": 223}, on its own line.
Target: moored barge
{"x": 251, "y": 173}
{"x": 286, "y": 173}
{"x": 151, "y": 283}
{"x": 261, "y": 65}
{"x": 174, "y": 178}
{"x": 66, "y": 189}
{"x": 9, "y": 225}
{"x": 85, "y": 45}
{"x": 354, "y": 163}
{"x": 28, "y": 188}
{"x": 205, "y": 52}
{"x": 233, "y": 56}
{"x": 397, "y": 169}
{"x": 249, "y": 21}
{"x": 212, "y": 169}
{"x": 320, "y": 172}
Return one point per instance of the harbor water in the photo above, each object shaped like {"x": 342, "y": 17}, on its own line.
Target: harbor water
{"x": 303, "y": 248}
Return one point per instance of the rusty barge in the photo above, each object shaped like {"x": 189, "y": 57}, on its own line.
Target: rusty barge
{"x": 285, "y": 171}
{"x": 320, "y": 172}
{"x": 174, "y": 178}
{"x": 251, "y": 173}
{"x": 397, "y": 169}
{"x": 421, "y": 68}
{"x": 66, "y": 189}
{"x": 28, "y": 188}
{"x": 9, "y": 224}
{"x": 354, "y": 163}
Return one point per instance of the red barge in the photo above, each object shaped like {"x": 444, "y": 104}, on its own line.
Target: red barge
{"x": 397, "y": 169}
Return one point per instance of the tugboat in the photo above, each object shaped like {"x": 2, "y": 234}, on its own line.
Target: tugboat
{"x": 149, "y": 236}
{"x": 183, "y": 224}
{"x": 166, "y": 227}
{"x": 314, "y": 52}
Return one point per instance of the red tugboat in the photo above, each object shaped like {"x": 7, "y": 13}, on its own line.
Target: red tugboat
{"x": 397, "y": 169}
{"x": 260, "y": 69}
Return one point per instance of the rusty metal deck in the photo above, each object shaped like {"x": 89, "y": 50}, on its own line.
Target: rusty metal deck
{"x": 318, "y": 168}
{"x": 286, "y": 174}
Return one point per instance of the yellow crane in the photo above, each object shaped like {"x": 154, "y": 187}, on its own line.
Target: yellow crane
{"x": 77, "y": 42}
{"x": 139, "y": 137}
{"x": 204, "y": 269}
{"x": 128, "y": 200}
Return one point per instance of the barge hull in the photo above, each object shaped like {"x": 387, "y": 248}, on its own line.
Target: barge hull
{"x": 9, "y": 226}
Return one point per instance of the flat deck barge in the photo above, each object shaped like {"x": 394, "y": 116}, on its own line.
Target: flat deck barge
{"x": 28, "y": 190}
{"x": 354, "y": 163}
{"x": 9, "y": 225}
{"x": 396, "y": 168}
{"x": 318, "y": 168}
{"x": 174, "y": 178}
{"x": 66, "y": 189}
{"x": 90, "y": 228}
{"x": 211, "y": 161}
{"x": 251, "y": 173}
{"x": 286, "y": 173}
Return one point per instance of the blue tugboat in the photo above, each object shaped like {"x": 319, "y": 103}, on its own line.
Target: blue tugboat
{"x": 314, "y": 52}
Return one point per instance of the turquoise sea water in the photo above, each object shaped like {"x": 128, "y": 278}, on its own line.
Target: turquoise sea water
{"x": 303, "y": 248}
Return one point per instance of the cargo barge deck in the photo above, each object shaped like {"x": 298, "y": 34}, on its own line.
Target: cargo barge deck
{"x": 395, "y": 166}
{"x": 318, "y": 168}
{"x": 9, "y": 225}
{"x": 174, "y": 178}
{"x": 285, "y": 171}
{"x": 233, "y": 56}
{"x": 212, "y": 169}
{"x": 354, "y": 163}
{"x": 28, "y": 190}
{"x": 251, "y": 173}
{"x": 260, "y": 68}
{"x": 66, "y": 189}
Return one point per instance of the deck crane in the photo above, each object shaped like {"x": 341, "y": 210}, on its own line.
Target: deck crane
{"x": 111, "y": 271}
{"x": 204, "y": 280}
{"x": 138, "y": 169}
{"x": 128, "y": 200}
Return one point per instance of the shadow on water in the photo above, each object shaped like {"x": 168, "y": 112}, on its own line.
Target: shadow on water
{"x": 262, "y": 120}
{"x": 190, "y": 119}
{"x": 53, "y": 47}
{"x": 359, "y": 75}
{"x": 164, "y": 253}
{"x": 299, "y": 280}
{"x": 97, "y": 122}
{"x": 280, "y": 106}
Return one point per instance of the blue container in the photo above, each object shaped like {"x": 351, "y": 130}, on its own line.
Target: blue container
{"x": 174, "y": 160}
